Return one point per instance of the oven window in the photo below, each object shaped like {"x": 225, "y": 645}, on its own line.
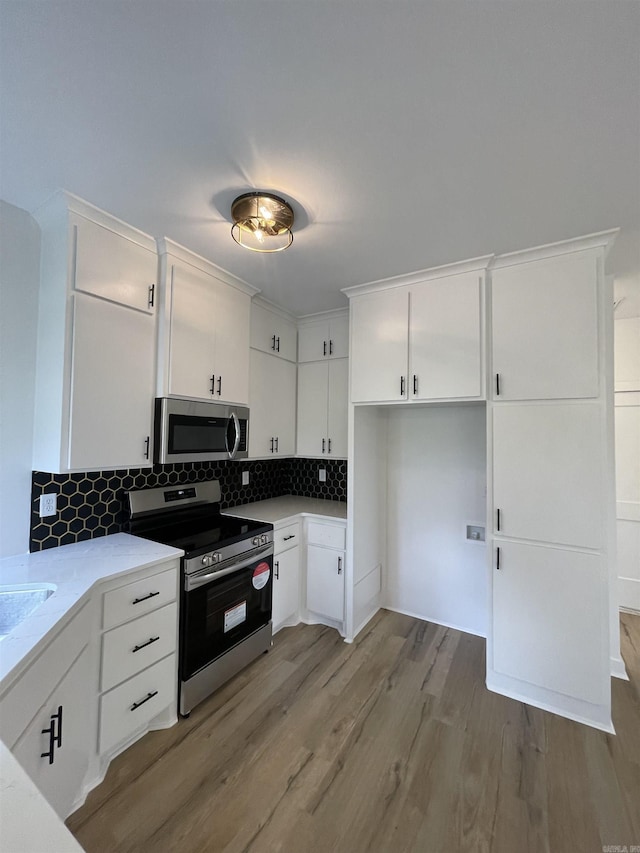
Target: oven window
{"x": 217, "y": 616}
{"x": 190, "y": 434}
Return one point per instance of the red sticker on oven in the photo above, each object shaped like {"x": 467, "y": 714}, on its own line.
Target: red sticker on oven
{"x": 261, "y": 575}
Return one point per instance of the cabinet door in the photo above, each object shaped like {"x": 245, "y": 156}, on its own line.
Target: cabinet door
{"x": 112, "y": 386}
{"x": 61, "y": 781}
{"x": 231, "y": 358}
{"x": 273, "y": 334}
{"x": 337, "y": 411}
{"x": 379, "y": 346}
{"x": 445, "y": 338}
{"x": 272, "y": 401}
{"x": 192, "y": 344}
{"x": 313, "y": 387}
{"x": 313, "y": 342}
{"x": 339, "y": 337}
{"x": 550, "y": 620}
{"x": 545, "y": 336}
{"x": 325, "y": 582}
{"x": 286, "y": 569}
{"x": 547, "y": 477}
{"x": 113, "y": 267}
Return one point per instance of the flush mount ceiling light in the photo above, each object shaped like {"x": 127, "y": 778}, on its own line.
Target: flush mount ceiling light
{"x": 262, "y": 222}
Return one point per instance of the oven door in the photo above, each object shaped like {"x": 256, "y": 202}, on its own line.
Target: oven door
{"x": 221, "y": 608}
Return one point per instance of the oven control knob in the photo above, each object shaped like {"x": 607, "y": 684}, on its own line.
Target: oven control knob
{"x": 206, "y": 560}
{"x": 263, "y": 539}
{"x": 255, "y": 540}
{"x": 215, "y": 558}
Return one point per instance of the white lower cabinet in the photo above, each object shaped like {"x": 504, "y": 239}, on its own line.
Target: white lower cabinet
{"x": 286, "y": 587}
{"x": 325, "y": 569}
{"x": 55, "y": 748}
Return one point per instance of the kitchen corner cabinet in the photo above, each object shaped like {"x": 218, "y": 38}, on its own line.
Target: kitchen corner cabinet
{"x": 96, "y": 340}
{"x": 418, "y": 342}
{"x": 204, "y": 330}
{"x": 323, "y": 339}
{"x": 286, "y": 571}
{"x": 325, "y": 569}
{"x": 323, "y": 396}
{"x": 272, "y": 401}
{"x": 545, "y": 327}
{"x": 273, "y": 333}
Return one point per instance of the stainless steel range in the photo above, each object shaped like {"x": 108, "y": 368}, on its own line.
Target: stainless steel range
{"x": 227, "y": 579}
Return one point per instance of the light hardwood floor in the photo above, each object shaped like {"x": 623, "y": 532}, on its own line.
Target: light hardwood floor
{"x": 390, "y": 744}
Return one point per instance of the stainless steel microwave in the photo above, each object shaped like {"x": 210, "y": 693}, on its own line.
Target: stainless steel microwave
{"x": 198, "y": 431}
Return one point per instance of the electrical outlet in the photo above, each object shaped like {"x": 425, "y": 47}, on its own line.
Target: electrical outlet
{"x": 48, "y": 504}
{"x": 322, "y": 475}
{"x": 245, "y": 478}
{"x": 475, "y": 533}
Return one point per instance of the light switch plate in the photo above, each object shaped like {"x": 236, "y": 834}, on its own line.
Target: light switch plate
{"x": 245, "y": 478}
{"x": 322, "y": 475}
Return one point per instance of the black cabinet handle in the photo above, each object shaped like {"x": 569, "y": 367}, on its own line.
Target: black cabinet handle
{"x": 323, "y": 444}
{"x": 146, "y": 447}
{"x": 276, "y": 566}
{"x": 144, "y": 597}
{"x": 498, "y": 558}
{"x": 152, "y": 292}
{"x": 144, "y": 645}
{"x": 286, "y": 538}
{"x": 142, "y": 701}
{"x": 415, "y": 383}
{"x": 55, "y": 738}
{"x": 213, "y": 384}
{"x": 328, "y": 445}
{"x": 277, "y": 441}
{"x": 272, "y": 444}
{"x": 339, "y": 565}
{"x": 219, "y": 385}
{"x": 402, "y": 386}
{"x": 497, "y": 384}
{"x": 277, "y": 344}
{"x": 330, "y": 347}
{"x": 324, "y": 347}
{"x": 498, "y": 519}
{"x": 273, "y": 343}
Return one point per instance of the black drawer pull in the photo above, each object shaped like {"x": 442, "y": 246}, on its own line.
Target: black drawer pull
{"x": 54, "y": 739}
{"x": 144, "y": 645}
{"x": 142, "y": 701}
{"x": 144, "y": 597}
{"x": 286, "y": 538}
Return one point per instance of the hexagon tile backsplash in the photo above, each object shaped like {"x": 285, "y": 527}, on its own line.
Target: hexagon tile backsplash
{"x": 93, "y": 504}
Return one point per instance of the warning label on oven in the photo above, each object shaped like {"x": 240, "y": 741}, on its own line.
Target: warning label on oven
{"x": 261, "y": 575}
{"x": 235, "y": 616}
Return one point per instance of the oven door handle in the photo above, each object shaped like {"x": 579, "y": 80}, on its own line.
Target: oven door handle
{"x": 194, "y": 581}
{"x": 236, "y": 425}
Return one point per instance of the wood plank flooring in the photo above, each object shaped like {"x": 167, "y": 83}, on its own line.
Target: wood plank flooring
{"x": 390, "y": 744}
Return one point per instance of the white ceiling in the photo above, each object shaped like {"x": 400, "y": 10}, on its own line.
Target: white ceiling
{"x": 406, "y": 133}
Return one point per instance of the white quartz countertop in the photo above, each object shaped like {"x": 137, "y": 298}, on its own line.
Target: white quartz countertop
{"x": 275, "y": 510}
{"x": 72, "y": 570}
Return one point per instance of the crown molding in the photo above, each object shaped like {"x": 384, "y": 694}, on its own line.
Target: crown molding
{"x": 600, "y": 240}
{"x": 170, "y": 248}
{"x": 263, "y": 302}
{"x": 324, "y": 316}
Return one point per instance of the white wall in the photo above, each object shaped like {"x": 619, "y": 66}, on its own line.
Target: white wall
{"x": 436, "y": 486}
{"x": 627, "y": 423}
{"x": 19, "y": 278}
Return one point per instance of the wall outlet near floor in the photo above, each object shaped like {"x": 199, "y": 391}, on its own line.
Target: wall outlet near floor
{"x": 475, "y": 533}
{"x": 48, "y": 504}
{"x": 245, "y": 478}
{"x": 322, "y": 475}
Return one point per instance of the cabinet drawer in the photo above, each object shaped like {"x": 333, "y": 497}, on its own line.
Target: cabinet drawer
{"x": 329, "y": 535}
{"x": 33, "y": 687}
{"x": 129, "y": 707}
{"x": 137, "y": 598}
{"x": 136, "y": 645}
{"x": 286, "y": 537}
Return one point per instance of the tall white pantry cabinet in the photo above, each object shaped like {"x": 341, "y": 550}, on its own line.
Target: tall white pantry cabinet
{"x": 552, "y": 627}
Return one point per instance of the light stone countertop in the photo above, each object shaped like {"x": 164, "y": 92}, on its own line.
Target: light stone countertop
{"x": 72, "y": 570}
{"x": 275, "y": 510}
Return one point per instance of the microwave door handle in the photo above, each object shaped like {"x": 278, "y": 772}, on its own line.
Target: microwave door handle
{"x": 236, "y": 423}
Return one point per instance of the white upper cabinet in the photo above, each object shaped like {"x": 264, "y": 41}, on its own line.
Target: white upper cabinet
{"x": 420, "y": 341}
{"x": 96, "y": 340}
{"x": 322, "y": 408}
{"x": 379, "y": 340}
{"x": 204, "y": 333}
{"x": 321, "y": 339}
{"x": 445, "y": 339}
{"x": 272, "y": 401}
{"x": 273, "y": 333}
{"x": 544, "y": 322}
